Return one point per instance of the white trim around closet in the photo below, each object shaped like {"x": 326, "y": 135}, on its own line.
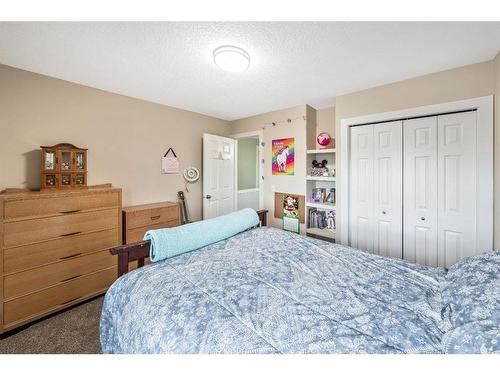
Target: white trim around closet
{"x": 485, "y": 156}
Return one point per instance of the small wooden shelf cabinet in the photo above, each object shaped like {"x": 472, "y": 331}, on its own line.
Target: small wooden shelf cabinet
{"x": 63, "y": 166}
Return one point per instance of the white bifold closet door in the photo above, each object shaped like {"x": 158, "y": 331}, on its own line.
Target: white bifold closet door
{"x": 440, "y": 189}
{"x": 457, "y": 187}
{"x": 376, "y": 193}
{"x": 420, "y": 183}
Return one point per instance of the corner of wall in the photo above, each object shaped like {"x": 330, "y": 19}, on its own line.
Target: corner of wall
{"x": 496, "y": 131}
{"x": 311, "y": 126}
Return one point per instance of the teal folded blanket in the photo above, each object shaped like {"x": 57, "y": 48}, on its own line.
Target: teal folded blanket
{"x": 169, "y": 242}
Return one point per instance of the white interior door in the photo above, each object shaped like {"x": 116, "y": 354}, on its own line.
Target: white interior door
{"x": 218, "y": 176}
{"x": 387, "y": 189}
{"x": 457, "y": 183}
{"x": 420, "y": 191}
{"x": 361, "y": 191}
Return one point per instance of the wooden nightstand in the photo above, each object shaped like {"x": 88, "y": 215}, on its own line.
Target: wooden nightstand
{"x": 137, "y": 220}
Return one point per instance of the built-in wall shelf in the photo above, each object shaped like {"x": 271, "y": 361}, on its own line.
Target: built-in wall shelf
{"x": 320, "y": 184}
{"x": 321, "y": 232}
{"x": 322, "y": 151}
{"x": 323, "y": 206}
{"x": 320, "y": 178}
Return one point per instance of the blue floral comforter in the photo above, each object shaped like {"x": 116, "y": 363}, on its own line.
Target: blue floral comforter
{"x": 270, "y": 291}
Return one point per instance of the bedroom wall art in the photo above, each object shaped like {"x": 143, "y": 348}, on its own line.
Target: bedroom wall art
{"x": 280, "y": 197}
{"x": 170, "y": 164}
{"x": 291, "y": 219}
{"x": 283, "y": 151}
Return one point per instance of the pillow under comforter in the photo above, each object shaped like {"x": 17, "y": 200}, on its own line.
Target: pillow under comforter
{"x": 471, "y": 303}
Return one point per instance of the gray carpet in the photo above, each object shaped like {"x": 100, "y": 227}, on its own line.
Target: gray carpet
{"x": 74, "y": 331}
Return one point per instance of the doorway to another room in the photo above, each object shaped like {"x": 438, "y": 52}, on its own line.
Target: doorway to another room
{"x": 249, "y": 176}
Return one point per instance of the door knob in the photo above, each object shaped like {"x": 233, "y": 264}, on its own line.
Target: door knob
{"x": 383, "y": 212}
{"x": 208, "y": 196}
{"x": 422, "y": 218}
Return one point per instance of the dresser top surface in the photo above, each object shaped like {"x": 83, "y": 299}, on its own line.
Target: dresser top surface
{"x": 29, "y": 194}
{"x": 149, "y": 206}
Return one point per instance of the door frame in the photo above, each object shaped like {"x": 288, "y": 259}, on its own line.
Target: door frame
{"x": 484, "y": 160}
{"x": 260, "y": 135}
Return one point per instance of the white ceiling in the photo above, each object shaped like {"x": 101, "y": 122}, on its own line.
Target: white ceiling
{"x": 291, "y": 63}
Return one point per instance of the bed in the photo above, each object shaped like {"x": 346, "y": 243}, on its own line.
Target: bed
{"x": 269, "y": 291}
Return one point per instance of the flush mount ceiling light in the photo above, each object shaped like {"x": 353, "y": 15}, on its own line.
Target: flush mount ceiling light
{"x": 231, "y": 58}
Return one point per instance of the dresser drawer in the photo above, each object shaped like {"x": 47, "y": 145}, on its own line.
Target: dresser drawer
{"x": 29, "y": 231}
{"x": 137, "y": 234}
{"x": 58, "y": 296}
{"x": 46, "y": 206}
{"x": 38, "y": 278}
{"x": 39, "y": 254}
{"x": 152, "y": 216}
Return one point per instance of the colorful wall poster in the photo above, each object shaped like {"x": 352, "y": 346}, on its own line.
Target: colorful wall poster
{"x": 283, "y": 156}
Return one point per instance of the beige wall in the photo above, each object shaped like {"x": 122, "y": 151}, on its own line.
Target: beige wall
{"x": 325, "y": 122}
{"x": 451, "y": 85}
{"x": 297, "y": 129}
{"x": 126, "y": 137}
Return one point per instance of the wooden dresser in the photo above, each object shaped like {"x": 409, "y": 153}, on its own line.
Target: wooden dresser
{"x": 139, "y": 219}
{"x": 54, "y": 250}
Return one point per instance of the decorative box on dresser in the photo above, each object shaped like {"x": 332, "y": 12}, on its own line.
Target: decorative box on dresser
{"x": 54, "y": 250}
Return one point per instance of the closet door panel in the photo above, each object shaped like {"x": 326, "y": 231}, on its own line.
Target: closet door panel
{"x": 387, "y": 189}
{"x": 456, "y": 187}
{"x": 420, "y": 191}
{"x": 361, "y": 181}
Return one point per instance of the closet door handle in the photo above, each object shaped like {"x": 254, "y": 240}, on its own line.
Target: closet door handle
{"x": 422, "y": 218}
{"x": 383, "y": 212}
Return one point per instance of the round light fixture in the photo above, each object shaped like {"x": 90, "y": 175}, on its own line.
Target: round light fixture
{"x": 231, "y": 58}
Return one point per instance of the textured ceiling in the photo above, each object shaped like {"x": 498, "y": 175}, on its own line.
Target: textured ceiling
{"x": 291, "y": 63}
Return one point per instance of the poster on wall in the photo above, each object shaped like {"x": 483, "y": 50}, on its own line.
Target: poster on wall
{"x": 283, "y": 156}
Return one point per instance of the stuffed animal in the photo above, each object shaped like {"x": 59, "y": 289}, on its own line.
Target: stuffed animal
{"x": 330, "y": 220}
{"x": 319, "y": 169}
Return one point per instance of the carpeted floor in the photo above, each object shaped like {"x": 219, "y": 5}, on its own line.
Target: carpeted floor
{"x": 75, "y": 330}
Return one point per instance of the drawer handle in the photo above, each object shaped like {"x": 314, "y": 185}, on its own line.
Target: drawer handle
{"x": 71, "y": 300}
{"x": 70, "y": 256}
{"x": 69, "y": 212}
{"x": 70, "y": 234}
{"x": 70, "y": 278}
{"x": 155, "y": 217}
